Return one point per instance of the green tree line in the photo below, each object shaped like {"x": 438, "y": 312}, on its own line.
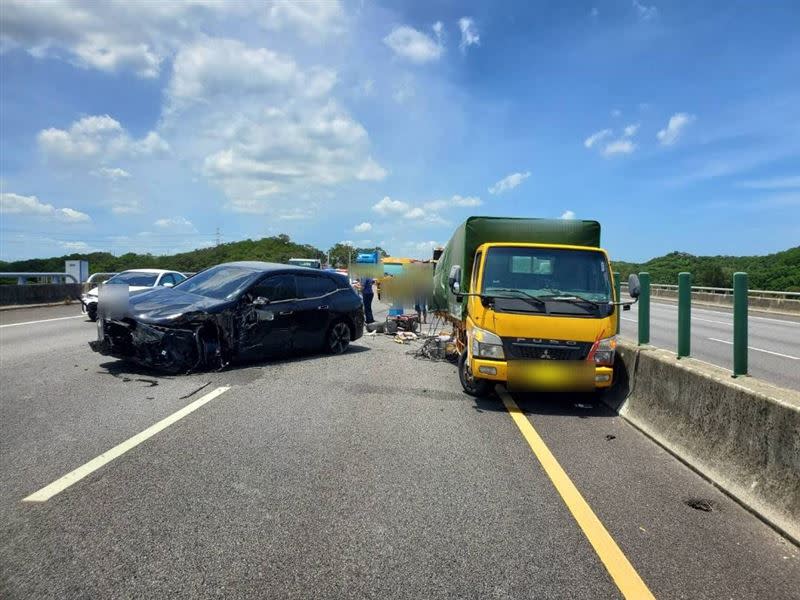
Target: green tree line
{"x": 277, "y": 249}
{"x": 779, "y": 271}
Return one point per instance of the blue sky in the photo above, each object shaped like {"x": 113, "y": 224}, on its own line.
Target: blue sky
{"x": 146, "y": 126}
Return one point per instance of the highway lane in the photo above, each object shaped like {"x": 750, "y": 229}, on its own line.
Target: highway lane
{"x": 774, "y": 340}
{"x": 368, "y": 475}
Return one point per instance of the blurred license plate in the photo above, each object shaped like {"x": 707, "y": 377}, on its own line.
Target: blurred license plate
{"x": 550, "y": 375}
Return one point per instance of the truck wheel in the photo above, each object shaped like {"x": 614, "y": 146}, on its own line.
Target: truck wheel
{"x": 472, "y": 386}
{"x": 91, "y": 312}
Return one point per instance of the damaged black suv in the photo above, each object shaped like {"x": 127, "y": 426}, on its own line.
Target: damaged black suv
{"x": 234, "y": 311}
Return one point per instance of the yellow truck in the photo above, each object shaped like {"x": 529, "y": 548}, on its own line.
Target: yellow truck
{"x": 532, "y": 302}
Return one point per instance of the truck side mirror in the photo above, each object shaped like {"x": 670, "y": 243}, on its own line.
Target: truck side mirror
{"x": 454, "y": 279}
{"x": 634, "y": 289}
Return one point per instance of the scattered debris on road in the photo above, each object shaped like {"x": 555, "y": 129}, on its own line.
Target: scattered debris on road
{"x": 700, "y": 504}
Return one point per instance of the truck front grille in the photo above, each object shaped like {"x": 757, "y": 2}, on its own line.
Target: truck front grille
{"x": 538, "y": 349}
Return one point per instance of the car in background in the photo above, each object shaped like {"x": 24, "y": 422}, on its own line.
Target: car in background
{"x": 310, "y": 263}
{"x": 240, "y": 311}
{"x": 137, "y": 280}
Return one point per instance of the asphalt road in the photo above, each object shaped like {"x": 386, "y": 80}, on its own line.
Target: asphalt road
{"x": 774, "y": 340}
{"x": 367, "y": 475}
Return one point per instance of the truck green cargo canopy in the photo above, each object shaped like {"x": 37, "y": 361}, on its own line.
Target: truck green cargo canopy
{"x": 473, "y": 232}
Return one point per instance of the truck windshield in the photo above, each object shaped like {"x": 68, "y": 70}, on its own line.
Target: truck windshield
{"x": 548, "y": 273}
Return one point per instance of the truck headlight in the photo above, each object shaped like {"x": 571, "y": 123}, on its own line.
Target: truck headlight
{"x": 486, "y": 344}
{"x": 604, "y": 351}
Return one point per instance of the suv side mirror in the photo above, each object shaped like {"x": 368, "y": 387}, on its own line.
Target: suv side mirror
{"x": 260, "y": 301}
{"x": 454, "y": 279}
{"x": 634, "y": 289}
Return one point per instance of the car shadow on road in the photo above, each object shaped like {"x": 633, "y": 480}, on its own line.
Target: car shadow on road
{"x": 127, "y": 369}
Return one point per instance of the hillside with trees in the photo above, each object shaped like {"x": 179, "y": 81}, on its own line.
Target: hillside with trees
{"x": 779, "y": 271}
{"x": 277, "y": 249}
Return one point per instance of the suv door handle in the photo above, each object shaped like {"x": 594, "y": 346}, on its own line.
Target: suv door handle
{"x": 324, "y": 307}
{"x": 286, "y": 312}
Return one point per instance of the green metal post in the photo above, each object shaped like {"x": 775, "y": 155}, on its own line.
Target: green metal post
{"x": 739, "y": 324}
{"x": 618, "y": 297}
{"x": 684, "y": 314}
{"x": 644, "y": 309}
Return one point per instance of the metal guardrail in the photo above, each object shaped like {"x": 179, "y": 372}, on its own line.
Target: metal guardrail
{"x": 723, "y": 291}
{"x": 23, "y": 277}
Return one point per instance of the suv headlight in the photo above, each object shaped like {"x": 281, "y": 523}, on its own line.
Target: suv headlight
{"x": 486, "y": 344}
{"x": 604, "y": 351}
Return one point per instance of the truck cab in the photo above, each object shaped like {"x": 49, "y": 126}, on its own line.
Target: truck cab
{"x": 538, "y": 316}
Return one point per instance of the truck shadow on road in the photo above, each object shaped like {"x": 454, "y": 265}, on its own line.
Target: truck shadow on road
{"x": 578, "y": 404}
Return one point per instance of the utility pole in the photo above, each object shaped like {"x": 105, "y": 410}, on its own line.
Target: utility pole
{"x": 218, "y": 237}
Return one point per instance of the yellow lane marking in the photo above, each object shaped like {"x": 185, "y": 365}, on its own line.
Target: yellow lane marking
{"x": 59, "y": 485}
{"x": 618, "y": 566}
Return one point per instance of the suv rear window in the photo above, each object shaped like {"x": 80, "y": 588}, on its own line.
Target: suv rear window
{"x": 309, "y": 286}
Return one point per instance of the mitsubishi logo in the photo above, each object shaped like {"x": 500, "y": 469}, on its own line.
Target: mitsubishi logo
{"x": 546, "y": 355}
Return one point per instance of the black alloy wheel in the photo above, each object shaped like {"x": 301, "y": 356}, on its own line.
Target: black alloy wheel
{"x": 338, "y": 338}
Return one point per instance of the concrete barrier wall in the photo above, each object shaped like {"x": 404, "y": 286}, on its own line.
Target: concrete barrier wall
{"x": 776, "y": 304}
{"x": 39, "y": 293}
{"x": 742, "y": 434}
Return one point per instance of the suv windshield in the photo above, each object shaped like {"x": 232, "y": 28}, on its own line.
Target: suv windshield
{"x": 548, "y": 273}
{"x": 222, "y": 283}
{"x": 134, "y": 278}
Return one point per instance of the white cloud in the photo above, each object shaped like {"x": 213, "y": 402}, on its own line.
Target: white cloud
{"x": 403, "y": 89}
{"x": 644, "y": 12}
{"x": 111, "y": 36}
{"x": 263, "y": 129}
{"x": 455, "y": 201}
{"x": 413, "y": 45}
{"x": 217, "y": 67}
{"x": 621, "y": 146}
{"x": 363, "y": 227}
{"x": 596, "y": 137}
{"x": 674, "y": 129}
{"x": 631, "y": 130}
{"x": 567, "y": 214}
{"x": 469, "y": 33}
{"x": 616, "y": 113}
{"x": 438, "y": 29}
{"x": 371, "y": 171}
{"x": 416, "y": 213}
{"x": 315, "y": 20}
{"x": 388, "y": 206}
{"x": 509, "y": 182}
{"x": 773, "y": 183}
{"x": 76, "y": 246}
{"x": 15, "y": 204}
{"x": 112, "y": 173}
{"x": 181, "y": 224}
{"x": 97, "y": 137}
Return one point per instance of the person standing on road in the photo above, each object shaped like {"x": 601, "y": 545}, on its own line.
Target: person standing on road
{"x": 367, "y": 294}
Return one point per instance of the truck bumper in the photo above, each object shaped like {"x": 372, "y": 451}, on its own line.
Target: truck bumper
{"x": 497, "y": 370}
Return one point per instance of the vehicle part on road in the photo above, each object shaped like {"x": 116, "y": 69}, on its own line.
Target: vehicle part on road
{"x": 700, "y": 504}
